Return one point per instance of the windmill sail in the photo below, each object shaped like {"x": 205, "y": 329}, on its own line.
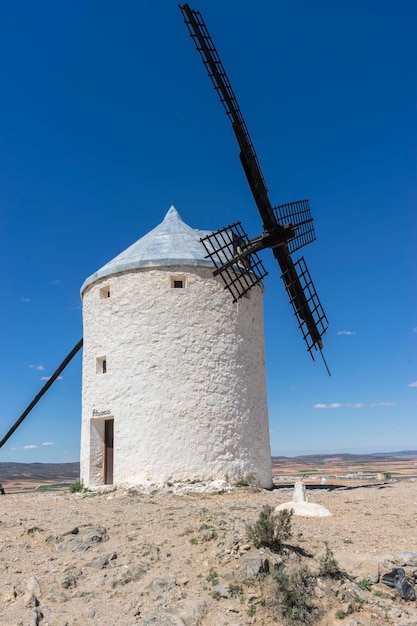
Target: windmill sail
{"x": 281, "y": 237}
{"x": 297, "y": 214}
{"x": 240, "y": 268}
{"x": 44, "y": 389}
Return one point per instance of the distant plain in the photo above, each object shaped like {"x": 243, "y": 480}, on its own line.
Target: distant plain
{"x": 313, "y": 469}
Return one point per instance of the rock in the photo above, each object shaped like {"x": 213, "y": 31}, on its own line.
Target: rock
{"x": 323, "y": 588}
{"x": 56, "y": 595}
{"x": 368, "y": 570}
{"x": 33, "y": 530}
{"x": 232, "y": 543}
{"x": 221, "y": 590}
{"x": 79, "y": 539}
{"x": 387, "y": 561}
{"x": 190, "y": 613}
{"x": 159, "y": 588}
{"x": 138, "y": 571}
{"x": 218, "y": 486}
{"x": 9, "y": 595}
{"x": 410, "y": 558}
{"x": 36, "y": 617}
{"x": 130, "y": 574}
{"x": 255, "y": 563}
{"x": 30, "y": 600}
{"x": 347, "y": 608}
{"x": 149, "y": 550}
{"x": 99, "y": 562}
{"x": 397, "y": 580}
{"x": 113, "y": 581}
{"x": 33, "y": 586}
{"x": 74, "y": 531}
{"x": 67, "y": 580}
{"x": 357, "y": 591}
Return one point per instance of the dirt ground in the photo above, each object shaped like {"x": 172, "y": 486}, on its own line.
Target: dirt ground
{"x": 125, "y": 558}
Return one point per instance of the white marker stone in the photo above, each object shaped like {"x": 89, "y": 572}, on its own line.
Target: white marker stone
{"x": 300, "y": 506}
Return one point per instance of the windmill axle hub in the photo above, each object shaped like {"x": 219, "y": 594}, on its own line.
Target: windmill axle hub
{"x": 272, "y": 238}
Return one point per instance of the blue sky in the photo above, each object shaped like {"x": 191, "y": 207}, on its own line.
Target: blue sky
{"x": 107, "y": 118}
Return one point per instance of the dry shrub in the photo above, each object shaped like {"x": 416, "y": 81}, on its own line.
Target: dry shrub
{"x": 270, "y": 531}
{"x": 330, "y": 567}
{"x": 293, "y": 596}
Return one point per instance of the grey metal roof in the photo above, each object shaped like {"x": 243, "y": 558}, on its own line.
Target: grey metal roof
{"x": 170, "y": 243}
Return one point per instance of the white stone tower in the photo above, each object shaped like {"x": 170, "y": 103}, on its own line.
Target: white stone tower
{"x": 173, "y": 371}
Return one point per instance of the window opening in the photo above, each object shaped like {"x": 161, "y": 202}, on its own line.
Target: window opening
{"x": 105, "y": 292}
{"x": 178, "y": 282}
{"x": 101, "y": 365}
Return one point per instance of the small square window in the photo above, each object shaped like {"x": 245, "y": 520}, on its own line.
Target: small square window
{"x": 101, "y": 365}
{"x": 178, "y": 282}
{"x": 105, "y": 292}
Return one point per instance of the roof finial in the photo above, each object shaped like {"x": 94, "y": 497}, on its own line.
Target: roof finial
{"x": 172, "y": 214}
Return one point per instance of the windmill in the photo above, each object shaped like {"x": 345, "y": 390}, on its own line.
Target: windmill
{"x": 286, "y": 228}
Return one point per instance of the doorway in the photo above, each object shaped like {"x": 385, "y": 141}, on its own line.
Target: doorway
{"x": 108, "y": 451}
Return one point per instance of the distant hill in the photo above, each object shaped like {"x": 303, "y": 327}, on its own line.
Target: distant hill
{"x": 309, "y": 459}
{"x": 21, "y": 472}
{"x": 402, "y": 453}
{"x": 39, "y": 471}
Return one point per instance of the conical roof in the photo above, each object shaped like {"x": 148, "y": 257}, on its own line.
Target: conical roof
{"x": 170, "y": 243}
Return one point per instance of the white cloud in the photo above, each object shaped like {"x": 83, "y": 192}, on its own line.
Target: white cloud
{"x": 48, "y": 377}
{"x": 414, "y": 329}
{"x": 334, "y": 405}
{"x": 414, "y": 384}
{"x": 37, "y": 367}
{"x": 56, "y": 282}
{"x": 48, "y": 443}
{"x": 29, "y": 447}
{"x": 355, "y": 405}
{"x": 337, "y": 405}
{"x": 346, "y": 332}
{"x": 384, "y": 404}
{"x": 23, "y": 299}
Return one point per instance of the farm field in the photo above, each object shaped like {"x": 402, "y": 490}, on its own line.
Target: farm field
{"x": 344, "y": 468}
{"x": 335, "y": 469}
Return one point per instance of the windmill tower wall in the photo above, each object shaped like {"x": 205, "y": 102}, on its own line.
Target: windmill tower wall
{"x": 174, "y": 374}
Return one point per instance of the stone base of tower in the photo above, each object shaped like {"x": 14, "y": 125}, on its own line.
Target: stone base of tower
{"x": 115, "y": 462}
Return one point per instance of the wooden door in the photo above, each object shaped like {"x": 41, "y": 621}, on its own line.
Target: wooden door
{"x": 108, "y": 451}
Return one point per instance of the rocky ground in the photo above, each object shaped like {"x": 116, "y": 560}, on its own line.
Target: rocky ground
{"x": 162, "y": 558}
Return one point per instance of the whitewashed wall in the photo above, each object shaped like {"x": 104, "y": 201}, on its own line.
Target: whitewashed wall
{"x": 185, "y": 380}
